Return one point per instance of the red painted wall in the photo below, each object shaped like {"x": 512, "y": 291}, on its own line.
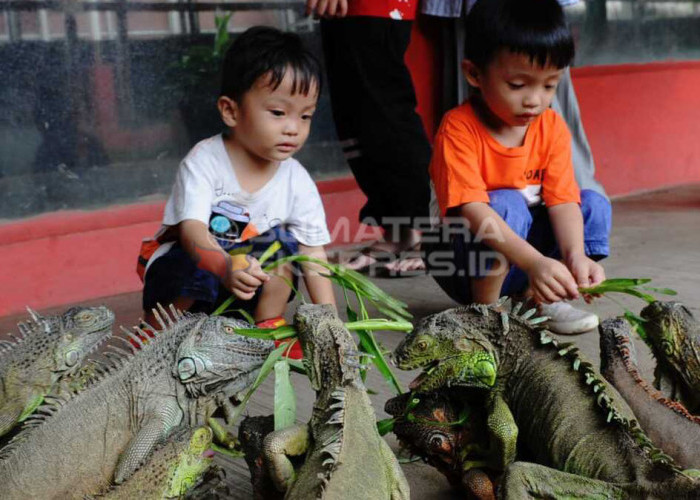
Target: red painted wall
{"x": 642, "y": 123}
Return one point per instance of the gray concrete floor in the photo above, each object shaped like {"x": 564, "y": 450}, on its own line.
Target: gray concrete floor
{"x": 655, "y": 235}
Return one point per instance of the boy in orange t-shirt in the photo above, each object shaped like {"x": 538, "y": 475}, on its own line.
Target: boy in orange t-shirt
{"x": 502, "y": 166}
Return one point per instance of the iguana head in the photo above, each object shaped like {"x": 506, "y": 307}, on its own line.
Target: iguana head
{"x": 215, "y": 358}
{"x": 191, "y": 462}
{"x": 330, "y": 354}
{"x": 451, "y": 351}
{"x": 423, "y": 424}
{"x": 674, "y": 336}
{"x": 80, "y": 331}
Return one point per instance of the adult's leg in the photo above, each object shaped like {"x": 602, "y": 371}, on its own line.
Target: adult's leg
{"x": 566, "y": 104}
{"x": 374, "y": 108}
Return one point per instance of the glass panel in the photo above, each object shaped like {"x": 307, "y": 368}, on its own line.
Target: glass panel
{"x": 635, "y": 31}
{"x": 96, "y": 108}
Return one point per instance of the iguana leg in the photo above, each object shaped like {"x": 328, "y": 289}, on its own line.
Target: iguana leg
{"x": 478, "y": 484}
{"x": 523, "y": 480}
{"x": 399, "y": 488}
{"x": 222, "y": 436}
{"x": 153, "y": 431}
{"x": 503, "y": 432}
{"x": 277, "y": 446}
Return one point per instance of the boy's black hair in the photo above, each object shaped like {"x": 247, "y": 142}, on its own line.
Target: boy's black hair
{"x": 536, "y": 28}
{"x": 261, "y": 50}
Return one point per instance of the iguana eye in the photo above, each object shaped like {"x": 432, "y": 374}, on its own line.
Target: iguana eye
{"x": 438, "y": 442}
{"x": 229, "y": 329}
{"x": 422, "y": 345}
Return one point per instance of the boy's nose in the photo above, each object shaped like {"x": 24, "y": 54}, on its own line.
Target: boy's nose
{"x": 291, "y": 128}
{"x": 531, "y": 101}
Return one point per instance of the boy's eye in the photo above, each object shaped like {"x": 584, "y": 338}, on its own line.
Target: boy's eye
{"x": 550, "y": 87}
{"x": 277, "y": 112}
{"x": 515, "y": 86}
{"x": 306, "y": 117}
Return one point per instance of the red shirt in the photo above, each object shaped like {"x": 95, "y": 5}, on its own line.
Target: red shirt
{"x": 394, "y": 9}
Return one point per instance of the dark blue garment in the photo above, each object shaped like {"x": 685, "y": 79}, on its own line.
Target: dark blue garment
{"x": 175, "y": 275}
{"x": 454, "y": 260}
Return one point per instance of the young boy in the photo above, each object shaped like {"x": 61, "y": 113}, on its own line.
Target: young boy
{"x": 502, "y": 164}
{"x": 238, "y": 192}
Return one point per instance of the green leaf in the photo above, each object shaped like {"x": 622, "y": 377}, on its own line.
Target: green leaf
{"x": 265, "y": 370}
{"x": 637, "y": 324}
{"x": 662, "y": 291}
{"x": 385, "y": 426}
{"x": 285, "y": 399}
{"x": 250, "y": 319}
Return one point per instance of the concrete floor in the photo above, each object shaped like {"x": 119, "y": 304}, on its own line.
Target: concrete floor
{"x": 655, "y": 235}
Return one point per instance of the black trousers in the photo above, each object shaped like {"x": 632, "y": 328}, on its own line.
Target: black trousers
{"x": 374, "y": 107}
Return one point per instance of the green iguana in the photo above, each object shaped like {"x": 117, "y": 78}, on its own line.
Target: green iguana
{"x": 447, "y": 433}
{"x": 345, "y": 455}
{"x": 673, "y": 334}
{"x": 173, "y": 469}
{"x": 106, "y": 431}
{"x": 49, "y": 351}
{"x": 582, "y": 436}
{"x": 667, "y": 423}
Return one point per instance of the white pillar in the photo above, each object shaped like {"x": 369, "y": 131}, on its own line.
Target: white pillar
{"x": 44, "y": 28}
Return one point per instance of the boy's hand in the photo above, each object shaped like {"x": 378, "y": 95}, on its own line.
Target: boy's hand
{"x": 327, "y": 8}
{"x": 586, "y": 272}
{"x": 551, "y": 281}
{"x": 245, "y": 277}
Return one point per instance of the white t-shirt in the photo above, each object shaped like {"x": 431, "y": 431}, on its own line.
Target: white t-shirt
{"x": 206, "y": 185}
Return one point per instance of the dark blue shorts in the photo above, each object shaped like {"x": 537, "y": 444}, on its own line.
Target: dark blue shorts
{"x": 454, "y": 260}
{"x": 175, "y": 275}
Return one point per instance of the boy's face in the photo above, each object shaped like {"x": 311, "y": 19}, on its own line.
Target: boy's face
{"x": 515, "y": 89}
{"x": 271, "y": 125}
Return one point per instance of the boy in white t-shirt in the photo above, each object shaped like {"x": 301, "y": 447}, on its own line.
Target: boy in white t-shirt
{"x": 237, "y": 192}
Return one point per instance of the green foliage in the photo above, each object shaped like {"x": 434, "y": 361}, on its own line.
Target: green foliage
{"x": 285, "y": 400}
{"x": 350, "y": 282}
{"x": 202, "y": 62}
{"x": 630, "y": 286}
{"x": 633, "y": 287}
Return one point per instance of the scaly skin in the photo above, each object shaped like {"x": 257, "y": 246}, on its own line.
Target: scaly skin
{"x": 345, "y": 455}
{"x": 447, "y": 433}
{"x": 674, "y": 337}
{"x": 51, "y": 350}
{"x": 105, "y": 432}
{"x": 172, "y": 470}
{"x": 667, "y": 423}
{"x": 567, "y": 417}
{"x": 251, "y": 434}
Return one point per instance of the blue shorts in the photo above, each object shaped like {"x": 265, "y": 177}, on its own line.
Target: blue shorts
{"x": 455, "y": 260}
{"x": 175, "y": 275}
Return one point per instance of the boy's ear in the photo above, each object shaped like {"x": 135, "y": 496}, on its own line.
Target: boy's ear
{"x": 471, "y": 73}
{"x": 228, "y": 109}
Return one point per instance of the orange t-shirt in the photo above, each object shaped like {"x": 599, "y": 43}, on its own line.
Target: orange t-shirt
{"x": 468, "y": 161}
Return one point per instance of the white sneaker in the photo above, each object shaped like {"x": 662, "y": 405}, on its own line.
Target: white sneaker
{"x": 565, "y": 319}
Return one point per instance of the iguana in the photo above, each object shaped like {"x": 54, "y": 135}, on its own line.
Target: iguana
{"x": 50, "y": 350}
{"x": 673, "y": 334}
{"x": 251, "y": 435}
{"x": 548, "y": 396}
{"x": 667, "y": 423}
{"x": 105, "y": 432}
{"x": 447, "y": 433}
{"x": 173, "y": 469}
{"x": 345, "y": 455}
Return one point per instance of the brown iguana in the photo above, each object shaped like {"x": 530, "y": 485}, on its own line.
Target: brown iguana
{"x": 667, "y": 423}
{"x": 448, "y": 434}
{"x": 673, "y": 334}
{"x": 582, "y": 436}
{"x": 106, "y": 431}
{"x": 345, "y": 455}
{"x": 50, "y": 350}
